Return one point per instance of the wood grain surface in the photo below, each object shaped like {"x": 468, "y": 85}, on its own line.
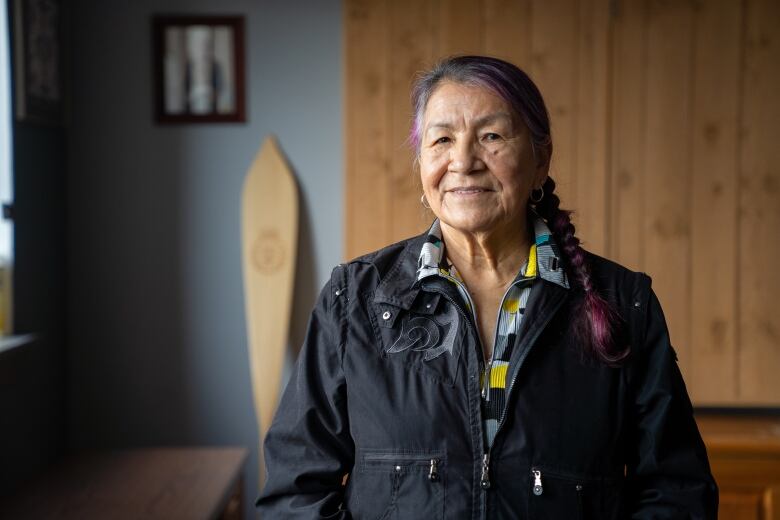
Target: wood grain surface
{"x": 154, "y": 483}
{"x": 744, "y": 453}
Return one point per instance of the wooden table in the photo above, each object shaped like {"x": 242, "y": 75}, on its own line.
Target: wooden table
{"x": 157, "y": 483}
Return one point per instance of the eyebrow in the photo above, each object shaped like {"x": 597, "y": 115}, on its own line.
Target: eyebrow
{"x": 480, "y": 121}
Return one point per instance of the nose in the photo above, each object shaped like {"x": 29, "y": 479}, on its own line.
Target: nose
{"x": 464, "y": 157}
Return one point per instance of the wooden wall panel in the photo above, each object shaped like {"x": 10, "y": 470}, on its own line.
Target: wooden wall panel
{"x": 366, "y": 123}
{"x": 409, "y": 54}
{"x": 509, "y": 30}
{"x": 715, "y": 189}
{"x": 554, "y": 69}
{"x": 460, "y": 27}
{"x": 590, "y": 168}
{"x": 666, "y": 217}
{"x": 628, "y": 116}
{"x": 759, "y": 223}
{"x": 662, "y": 117}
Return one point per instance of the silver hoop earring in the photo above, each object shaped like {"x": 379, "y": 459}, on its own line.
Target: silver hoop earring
{"x": 535, "y": 200}
{"x": 424, "y": 202}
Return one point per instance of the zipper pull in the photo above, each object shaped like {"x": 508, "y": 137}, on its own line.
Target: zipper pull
{"x": 485, "y": 480}
{"x": 433, "y": 474}
{"x": 538, "y": 489}
{"x": 486, "y": 383}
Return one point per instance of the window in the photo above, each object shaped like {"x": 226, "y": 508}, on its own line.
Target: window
{"x": 6, "y": 189}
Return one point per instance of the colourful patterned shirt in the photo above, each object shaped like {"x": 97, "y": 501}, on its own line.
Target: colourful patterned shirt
{"x": 543, "y": 261}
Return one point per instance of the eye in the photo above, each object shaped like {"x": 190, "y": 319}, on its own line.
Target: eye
{"x": 491, "y": 136}
{"x": 441, "y": 140}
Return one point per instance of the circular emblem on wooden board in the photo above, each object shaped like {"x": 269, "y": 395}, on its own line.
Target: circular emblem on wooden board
{"x": 268, "y": 252}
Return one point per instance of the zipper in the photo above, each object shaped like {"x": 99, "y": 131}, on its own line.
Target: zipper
{"x": 548, "y": 315}
{"x": 487, "y": 363}
{"x": 486, "y": 459}
{"x": 433, "y": 473}
{"x": 538, "y": 488}
{"x": 402, "y": 457}
{"x": 399, "y": 462}
{"x": 577, "y": 478}
{"x": 484, "y": 481}
{"x": 473, "y": 310}
{"x": 485, "y": 476}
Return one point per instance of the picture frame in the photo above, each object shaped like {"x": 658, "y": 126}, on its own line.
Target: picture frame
{"x": 199, "y": 69}
{"x": 38, "y": 61}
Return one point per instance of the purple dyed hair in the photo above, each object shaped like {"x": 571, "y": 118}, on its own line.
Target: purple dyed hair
{"x": 595, "y": 321}
{"x": 504, "y": 79}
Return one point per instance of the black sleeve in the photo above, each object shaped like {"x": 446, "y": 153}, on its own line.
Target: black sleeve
{"x": 308, "y": 448}
{"x": 668, "y": 474}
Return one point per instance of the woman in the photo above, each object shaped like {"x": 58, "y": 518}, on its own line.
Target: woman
{"x": 489, "y": 368}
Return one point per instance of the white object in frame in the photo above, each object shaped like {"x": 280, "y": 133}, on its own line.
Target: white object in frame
{"x": 200, "y": 58}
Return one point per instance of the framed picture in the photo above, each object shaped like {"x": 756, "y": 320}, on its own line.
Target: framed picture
{"x": 199, "y": 69}
{"x": 38, "y": 61}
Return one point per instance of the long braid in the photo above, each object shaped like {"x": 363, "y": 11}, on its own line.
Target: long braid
{"x": 594, "y": 318}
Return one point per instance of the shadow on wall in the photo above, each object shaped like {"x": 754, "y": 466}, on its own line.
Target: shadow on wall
{"x": 305, "y": 291}
{"x": 130, "y": 369}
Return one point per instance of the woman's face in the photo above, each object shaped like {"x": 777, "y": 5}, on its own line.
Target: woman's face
{"x": 476, "y": 162}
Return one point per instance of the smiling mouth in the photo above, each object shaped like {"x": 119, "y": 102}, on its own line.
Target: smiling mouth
{"x": 468, "y": 191}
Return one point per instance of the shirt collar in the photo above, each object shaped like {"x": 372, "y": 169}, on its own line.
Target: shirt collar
{"x": 544, "y": 259}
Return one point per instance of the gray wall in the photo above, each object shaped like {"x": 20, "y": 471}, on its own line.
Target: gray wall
{"x": 157, "y": 336}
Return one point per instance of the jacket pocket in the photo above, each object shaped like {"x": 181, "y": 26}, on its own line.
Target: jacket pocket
{"x": 556, "y": 494}
{"x": 390, "y": 485}
{"x": 427, "y": 338}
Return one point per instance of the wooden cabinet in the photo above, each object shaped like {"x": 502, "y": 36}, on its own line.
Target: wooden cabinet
{"x": 744, "y": 454}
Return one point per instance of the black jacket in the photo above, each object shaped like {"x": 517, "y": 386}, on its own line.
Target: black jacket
{"x": 605, "y": 443}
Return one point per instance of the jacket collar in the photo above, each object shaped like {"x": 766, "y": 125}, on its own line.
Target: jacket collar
{"x": 423, "y": 256}
{"x": 399, "y": 286}
{"x": 543, "y": 260}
